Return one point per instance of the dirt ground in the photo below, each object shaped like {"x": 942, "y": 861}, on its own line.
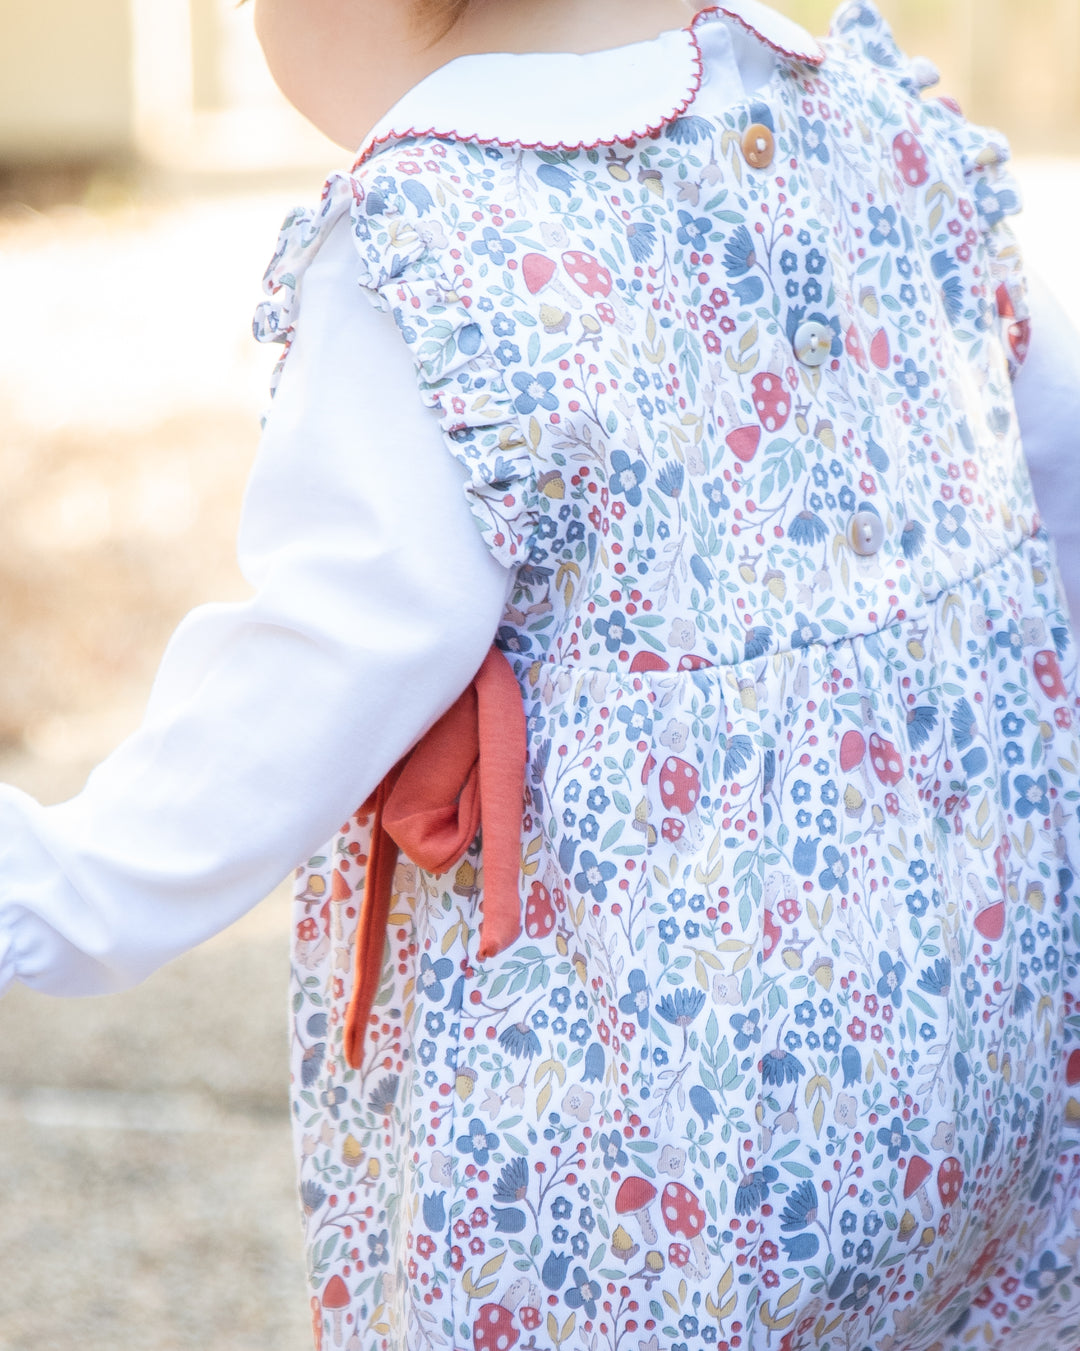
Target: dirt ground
{"x": 145, "y": 1163}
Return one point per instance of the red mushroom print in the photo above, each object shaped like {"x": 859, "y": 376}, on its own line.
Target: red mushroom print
{"x": 772, "y": 402}
{"x": 918, "y": 1171}
{"x": 950, "y": 1179}
{"x": 743, "y": 442}
{"x": 886, "y": 762}
{"x": 1048, "y": 674}
{"x": 685, "y": 1218}
{"x": 634, "y": 1198}
{"x": 854, "y": 348}
{"x": 672, "y": 830}
{"x": 539, "y": 271}
{"x": 539, "y": 912}
{"x": 990, "y": 921}
{"x": 879, "y": 350}
{"x": 494, "y": 1329}
{"x": 335, "y": 1300}
{"x": 678, "y": 1254}
{"x": 648, "y": 661}
{"x": 587, "y": 272}
{"x": 852, "y": 750}
{"x": 680, "y": 785}
{"x": 772, "y": 935}
{"x": 910, "y": 160}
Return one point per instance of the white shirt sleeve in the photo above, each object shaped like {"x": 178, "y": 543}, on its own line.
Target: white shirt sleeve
{"x": 270, "y": 721}
{"x": 1048, "y": 405}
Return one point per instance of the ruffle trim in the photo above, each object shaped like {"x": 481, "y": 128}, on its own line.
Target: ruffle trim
{"x": 983, "y": 154}
{"x": 459, "y": 378}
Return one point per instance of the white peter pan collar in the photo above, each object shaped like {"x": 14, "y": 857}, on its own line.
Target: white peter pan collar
{"x": 562, "y": 101}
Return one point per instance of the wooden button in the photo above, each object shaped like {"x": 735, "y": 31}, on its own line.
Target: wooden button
{"x": 758, "y": 146}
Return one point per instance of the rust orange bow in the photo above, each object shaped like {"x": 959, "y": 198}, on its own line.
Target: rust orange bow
{"x": 467, "y": 771}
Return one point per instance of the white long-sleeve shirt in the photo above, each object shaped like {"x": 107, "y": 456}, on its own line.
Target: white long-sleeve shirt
{"x": 375, "y": 601}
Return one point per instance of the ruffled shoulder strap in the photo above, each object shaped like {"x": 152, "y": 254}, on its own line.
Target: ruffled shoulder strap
{"x": 981, "y": 153}
{"x": 399, "y": 244}
{"x": 862, "y": 27}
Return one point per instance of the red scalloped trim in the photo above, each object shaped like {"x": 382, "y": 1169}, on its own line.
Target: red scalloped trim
{"x": 445, "y": 133}
{"x": 814, "y": 58}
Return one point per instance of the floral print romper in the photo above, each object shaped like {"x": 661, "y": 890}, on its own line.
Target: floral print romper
{"x": 783, "y": 1057}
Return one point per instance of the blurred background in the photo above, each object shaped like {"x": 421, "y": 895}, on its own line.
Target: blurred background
{"x": 145, "y": 162}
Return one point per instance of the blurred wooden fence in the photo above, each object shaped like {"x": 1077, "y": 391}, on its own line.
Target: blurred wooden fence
{"x": 1012, "y": 63}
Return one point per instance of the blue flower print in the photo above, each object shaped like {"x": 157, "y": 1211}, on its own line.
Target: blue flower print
{"x": 503, "y": 326}
{"x": 494, "y": 245}
{"x": 694, "y": 231}
{"x": 1046, "y": 1275}
{"x": 681, "y": 1008}
{"x": 893, "y": 974}
{"x": 995, "y": 205}
{"x": 615, "y": 632}
{"x": 626, "y": 476}
{"x": 429, "y": 982}
{"x": 1032, "y": 795}
{"x": 884, "y": 229}
{"x": 1012, "y": 725}
{"x": 611, "y": 1150}
{"x": 807, "y": 529}
{"x": 912, "y": 380}
{"x": 332, "y": 1098}
{"x": 894, "y": 1138}
{"x": 688, "y": 131}
{"x": 861, "y": 1290}
{"x": 478, "y": 1141}
{"x": 917, "y": 870}
{"x": 520, "y": 1041}
{"x": 534, "y": 391}
{"x": 747, "y": 1028}
{"x": 641, "y": 236}
{"x": 513, "y": 640}
{"x": 739, "y": 253}
{"x": 789, "y": 262}
{"x": 812, "y": 291}
{"x": 950, "y": 525}
{"x": 507, "y": 353}
{"x": 637, "y": 720}
{"x": 917, "y": 903}
{"x": 636, "y": 1003}
{"x": 813, "y": 139}
{"x": 379, "y": 1247}
{"x": 815, "y": 262}
{"x": 670, "y": 479}
{"x": 583, "y": 1294}
{"x": 668, "y": 929}
{"x": 779, "y": 1067}
{"x": 597, "y": 800}
{"x": 594, "y": 875}
{"x": 807, "y": 632}
{"x": 716, "y": 497}
{"x": 589, "y": 827}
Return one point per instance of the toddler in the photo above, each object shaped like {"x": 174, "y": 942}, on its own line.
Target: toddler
{"x": 673, "y": 355}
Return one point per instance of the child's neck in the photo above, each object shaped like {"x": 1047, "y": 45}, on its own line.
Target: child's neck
{"x": 562, "y": 25}
{"x": 345, "y": 63}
